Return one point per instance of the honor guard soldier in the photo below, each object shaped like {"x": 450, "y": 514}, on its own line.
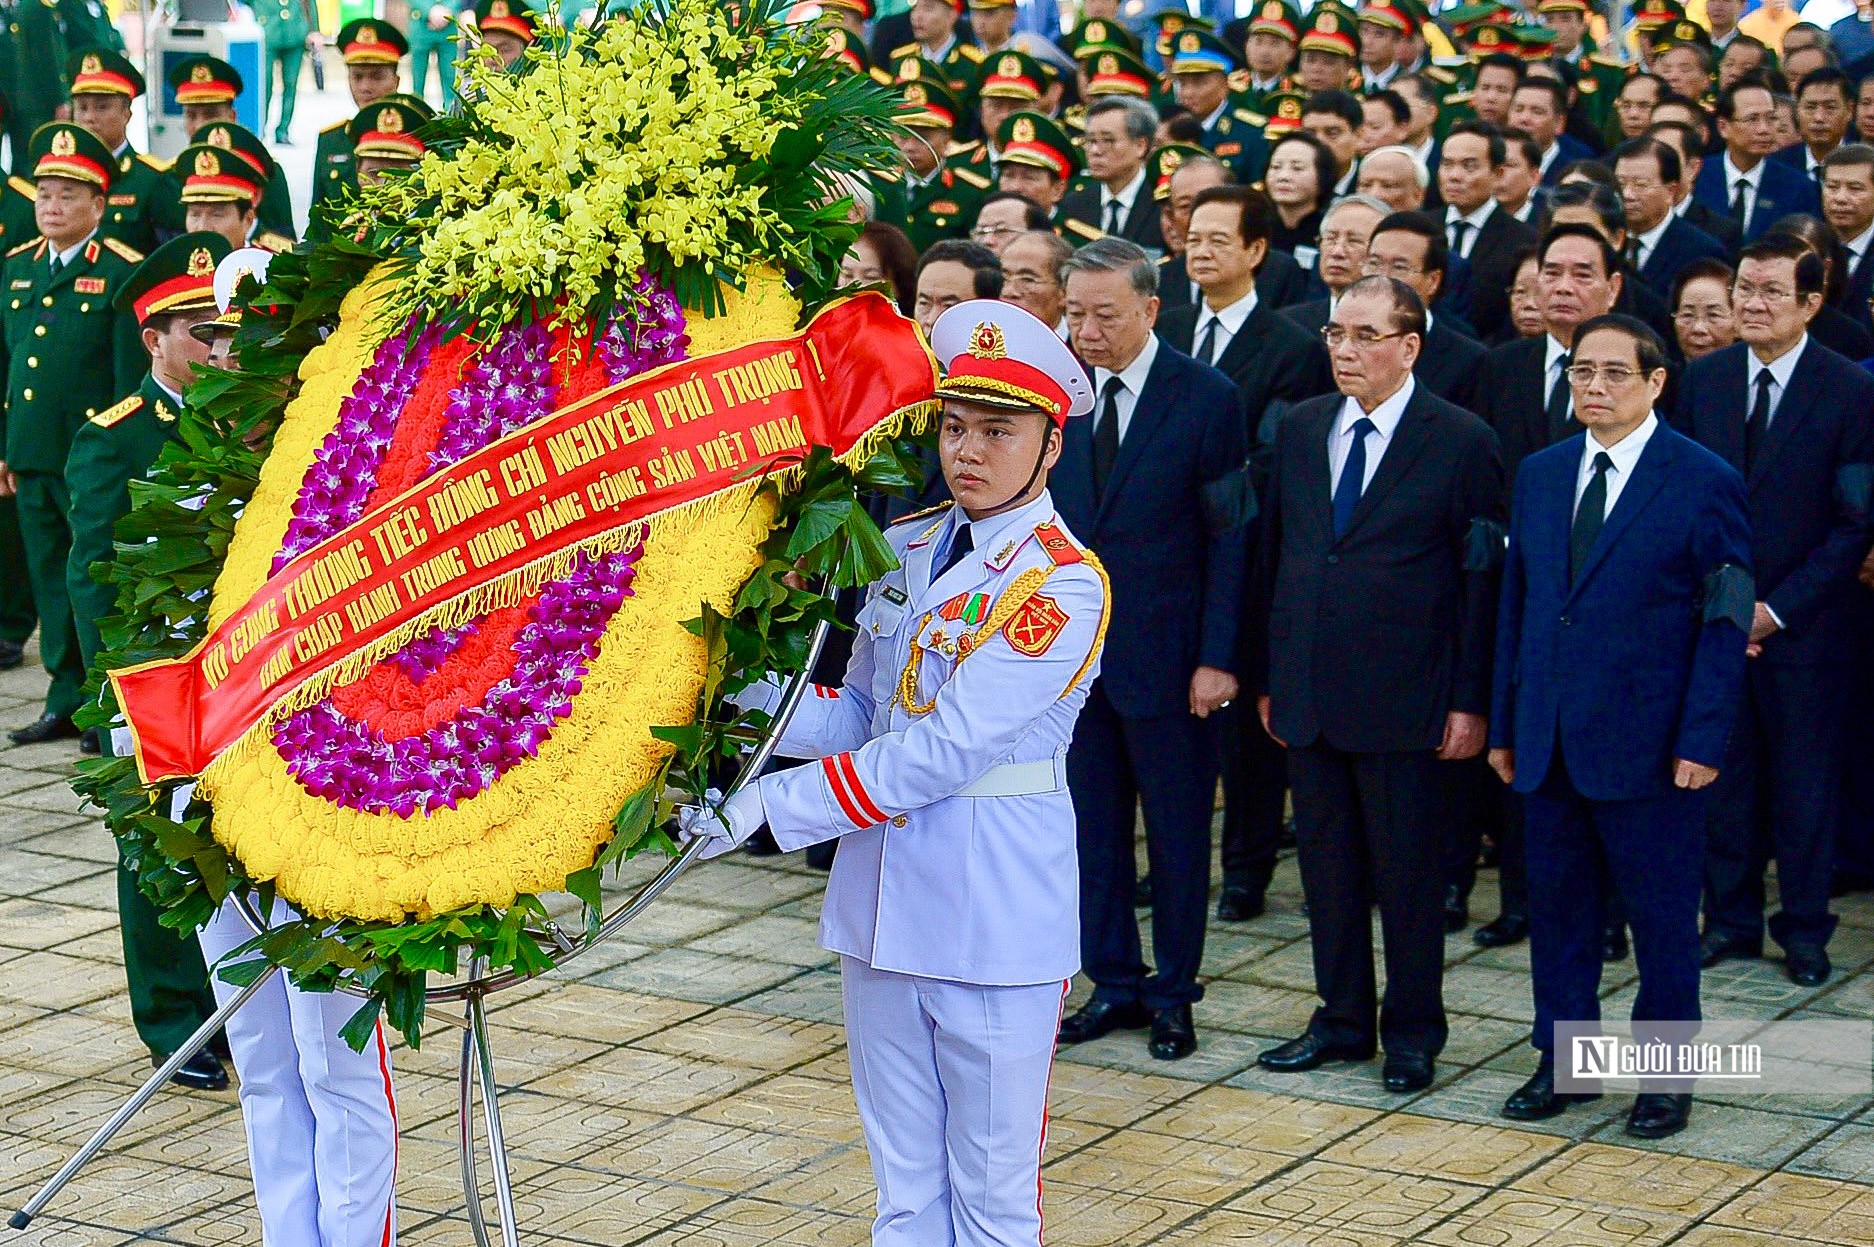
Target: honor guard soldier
{"x": 142, "y": 204}
{"x": 168, "y": 294}
{"x": 1034, "y": 157}
{"x": 940, "y": 201}
{"x": 371, "y": 50}
{"x": 507, "y": 27}
{"x": 206, "y": 88}
{"x": 68, "y": 356}
{"x": 274, "y": 216}
{"x": 1274, "y": 30}
{"x": 953, "y": 902}
{"x": 1200, "y": 67}
{"x": 220, "y": 193}
{"x": 287, "y": 24}
{"x": 384, "y": 136}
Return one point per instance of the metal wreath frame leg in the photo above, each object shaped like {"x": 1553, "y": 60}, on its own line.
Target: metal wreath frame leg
{"x": 478, "y": 1065}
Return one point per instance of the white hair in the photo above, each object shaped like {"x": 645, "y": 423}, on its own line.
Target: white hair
{"x": 1419, "y": 169}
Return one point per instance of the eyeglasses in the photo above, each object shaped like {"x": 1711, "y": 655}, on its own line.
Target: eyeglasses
{"x": 1582, "y": 376}
{"x": 1402, "y": 269}
{"x": 984, "y": 232}
{"x": 1702, "y": 316}
{"x": 1334, "y": 335}
{"x": 1743, "y": 291}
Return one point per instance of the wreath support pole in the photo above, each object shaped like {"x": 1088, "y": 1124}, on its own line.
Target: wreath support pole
{"x": 478, "y": 1065}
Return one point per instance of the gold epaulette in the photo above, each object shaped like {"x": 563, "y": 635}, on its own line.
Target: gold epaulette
{"x": 1458, "y": 97}
{"x": 24, "y": 187}
{"x": 118, "y": 412}
{"x": 971, "y": 177}
{"x": 1437, "y": 73}
{"x": 123, "y": 250}
{"x": 279, "y": 244}
{"x": 26, "y": 246}
{"x": 926, "y": 512}
{"x": 972, "y": 53}
{"x": 334, "y": 127}
{"x": 1088, "y": 232}
{"x": 880, "y": 76}
{"x": 957, "y": 149}
{"x": 156, "y": 162}
{"x": 1249, "y": 116}
{"x": 909, "y": 49}
{"x": 1612, "y": 62}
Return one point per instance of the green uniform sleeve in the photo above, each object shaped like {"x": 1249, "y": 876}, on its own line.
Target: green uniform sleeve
{"x": 97, "y": 479}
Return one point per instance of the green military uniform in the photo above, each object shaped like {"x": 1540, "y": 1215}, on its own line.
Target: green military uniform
{"x": 943, "y": 204}
{"x": 17, "y": 617}
{"x": 1284, "y": 21}
{"x": 1040, "y": 142}
{"x": 275, "y": 209}
{"x": 1098, "y": 32}
{"x": 170, "y": 995}
{"x": 961, "y": 67}
{"x": 142, "y": 203}
{"x": 16, "y": 212}
{"x": 334, "y": 169}
{"x": 286, "y": 24}
{"x": 68, "y": 355}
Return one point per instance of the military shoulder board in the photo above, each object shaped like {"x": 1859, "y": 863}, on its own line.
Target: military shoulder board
{"x": 24, "y": 187}
{"x": 1088, "y": 232}
{"x": 971, "y": 178}
{"x": 124, "y": 251}
{"x": 118, "y": 412}
{"x": 1055, "y": 542}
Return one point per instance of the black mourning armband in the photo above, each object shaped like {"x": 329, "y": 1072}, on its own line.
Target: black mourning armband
{"x": 1229, "y": 502}
{"x": 1731, "y": 594}
{"x": 1484, "y": 545}
{"x": 1854, "y": 490}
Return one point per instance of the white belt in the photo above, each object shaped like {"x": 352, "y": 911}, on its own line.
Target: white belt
{"x": 1019, "y": 779}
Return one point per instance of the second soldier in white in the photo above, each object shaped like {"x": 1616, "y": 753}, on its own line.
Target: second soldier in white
{"x": 954, "y": 901}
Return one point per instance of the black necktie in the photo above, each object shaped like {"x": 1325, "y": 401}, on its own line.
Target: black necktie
{"x": 1556, "y": 411}
{"x": 960, "y": 545}
{"x": 1352, "y": 477}
{"x": 1458, "y": 229}
{"x": 1207, "y": 349}
{"x": 1737, "y": 201}
{"x": 1590, "y": 514}
{"x": 1758, "y": 425}
{"x": 1112, "y": 216}
{"x": 1106, "y": 434}
{"x": 1633, "y": 255}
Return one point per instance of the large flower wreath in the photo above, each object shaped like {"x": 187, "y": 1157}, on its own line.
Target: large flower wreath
{"x": 625, "y": 200}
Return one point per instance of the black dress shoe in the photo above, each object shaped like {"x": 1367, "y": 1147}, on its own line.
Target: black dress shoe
{"x": 1238, "y": 903}
{"x": 1614, "y": 943}
{"x": 46, "y": 727}
{"x": 1656, "y": 1115}
{"x": 1408, "y": 1071}
{"x": 88, "y": 742}
{"x": 1102, "y": 1017}
{"x": 12, "y": 654}
{"x": 201, "y": 1072}
{"x": 1537, "y": 1099}
{"x": 1142, "y": 893}
{"x": 1806, "y": 967}
{"x": 1457, "y": 909}
{"x": 1716, "y": 946}
{"x": 1310, "y": 1051}
{"x": 1502, "y": 932}
{"x": 1174, "y": 1035}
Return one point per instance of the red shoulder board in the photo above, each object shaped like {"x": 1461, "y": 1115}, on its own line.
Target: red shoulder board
{"x": 1055, "y": 542}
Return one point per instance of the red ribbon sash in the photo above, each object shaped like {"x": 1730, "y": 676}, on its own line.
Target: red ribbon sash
{"x": 641, "y": 448}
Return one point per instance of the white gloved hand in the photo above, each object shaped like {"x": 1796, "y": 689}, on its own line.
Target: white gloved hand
{"x": 725, "y": 824}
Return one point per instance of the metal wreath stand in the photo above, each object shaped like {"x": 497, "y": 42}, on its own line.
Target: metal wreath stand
{"x": 477, "y": 1063}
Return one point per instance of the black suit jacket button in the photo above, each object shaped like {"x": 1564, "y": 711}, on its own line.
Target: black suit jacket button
{"x": 1333, "y": 559}
{"x": 1566, "y": 621}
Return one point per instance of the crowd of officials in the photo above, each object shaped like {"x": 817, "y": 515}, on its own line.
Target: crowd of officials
{"x": 1481, "y": 457}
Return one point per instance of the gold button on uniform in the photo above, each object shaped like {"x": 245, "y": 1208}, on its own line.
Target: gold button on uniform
{"x": 899, "y": 821}
{"x": 27, "y": 395}
{"x": 39, "y": 331}
{"x": 46, "y": 302}
{"x": 32, "y": 361}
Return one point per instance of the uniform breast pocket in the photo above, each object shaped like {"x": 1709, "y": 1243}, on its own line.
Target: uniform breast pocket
{"x": 881, "y": 616}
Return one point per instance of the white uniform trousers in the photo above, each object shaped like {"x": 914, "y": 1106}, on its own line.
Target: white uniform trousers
{"x": 321, "y": 1119}
{"x": 952, "y": 1085}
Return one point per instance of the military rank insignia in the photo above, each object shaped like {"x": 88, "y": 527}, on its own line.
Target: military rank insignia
{"x": 1032, "y": 629}
{"x": 970, "y": 608}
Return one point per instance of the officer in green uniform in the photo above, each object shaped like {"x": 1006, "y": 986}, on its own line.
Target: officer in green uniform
{"x": 959, "y": 59}
{"x": 142, "y": 205}
{"x": 1034, "y": 157}
{"x": 371, "y": 50}
{"x": 206, "y": 88}
{"x": 1012, "y": 82}
{"x": 939, "y": 202}
{"x": 506, "y": 26}
{"x": 219, "y": 193}
{"x": 68, "y": 355}
{"x": 385, "y": 136}
{"x": 275, "y": 218}
{"x": 1269, "y": 50}
{"x": 167, "y": 295}
{"x": 1099, "y": 32}
{"x": 287, "y": 25}
{"x": 849, "y": 51}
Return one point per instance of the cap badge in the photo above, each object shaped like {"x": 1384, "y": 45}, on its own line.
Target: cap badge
{"x": 91, "y": 65}
{"x": 220, "y": 137}
{"x": 207, "y": 165}
{"x": 987, "y": 342}
{"x": 201, "y": 73}
{"x": 1109, "y": 64}
{"x": 498, "y": 9}
{"x": 1170, "y": 160}
{"x": 1189, "y": 42}
{"x": 367, "y": 34}
{"x": 916, "y": 95}
{"x": 201, "y": 263}
{"x": 389, "y": 121}
{"x": 63, "y": 144}
{"x": 1009, "y": 67}
{"x": 1328, "y": 24}
{"x": 1024, "y": 130}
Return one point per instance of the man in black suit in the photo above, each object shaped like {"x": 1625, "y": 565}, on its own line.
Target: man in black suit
{"x": 1476, "y": 227}
{"x": 1848, "y": 205}
{"x": 1345, "y": 232}
{"x": 1688, "y": 141}
{"x": 1411, "y": 247}
{"x": 1275, "y": 364}
{"x": 1154, "y": 485}
{"x": 1798, "y": 421}
{"x": 1116, "y": 201}
{"x": 1540, "y": 108}
{"x": 1279, "y": 281}
{"x": 1659, "y": 243}
{"x": 1373, "y": 601}
{"x": 1600, "y": 208}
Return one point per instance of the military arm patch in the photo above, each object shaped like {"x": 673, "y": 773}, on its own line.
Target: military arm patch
{"x": 118, "y": 412}
{"x": 1032, "y": 629}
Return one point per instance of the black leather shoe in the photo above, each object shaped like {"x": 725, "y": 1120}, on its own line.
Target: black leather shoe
{"x": 1142, "y": 893}
{"x": 1457, "y": 909}
{"x": 1656, "y": 1115}
{"x": 1614, "y": 943}
{"x": 1716, "y": 946}
{"x": 88, "y": 742}
{"x": 1406, "y": 1072}
{"x": 1502, "y": 932}
{"x": 1102, "y": 1017}
{"x": 1806, "y": 967}
{"x": 46, "y": 727}
{"x": 201, "y": 1072}
{"x": 1238, "y": 903}
{"x": 1537, "y": 1099}
{"x": 1310, "y": 1051}
{"x": 12, "y": 654}
{"x": 1174, "y": 1035}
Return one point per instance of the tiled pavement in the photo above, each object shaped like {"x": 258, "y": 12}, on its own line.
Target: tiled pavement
{"x": 687, "y": 1084}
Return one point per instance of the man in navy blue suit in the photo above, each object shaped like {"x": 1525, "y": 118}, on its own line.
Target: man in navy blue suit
{"x": 1540, "y": 108}
{"x": 1848, "y": 205}
{"x": 1743, "y": 183}
{"x": 1798, "y": 421}
{"x": 1659, "y": 242}
{"x": 1156, "y": 484}
{"x": 1626, "y": 608}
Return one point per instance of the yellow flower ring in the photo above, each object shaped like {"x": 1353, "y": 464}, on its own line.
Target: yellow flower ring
{"x": 544, "y": 816}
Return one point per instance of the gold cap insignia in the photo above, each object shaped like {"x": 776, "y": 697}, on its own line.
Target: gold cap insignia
{"x": 207, "y": 165}
{"x": 1273, "y": 10}
{"x": 220, "y": 137}
{"x": 915, "y": 94}
{"x": 1023, "y": 132}
{"x": 987, "y": 342}
{"x": 1169, "y": 162}
{"x": 201, "y": 263}
{"x": 367, "y": 34}
{"x": 390, "y": 121}
{"x": 1328, "y": 25}
{"x": 910, "y": 71}
{"x": 498, "y": 9}
{"x": 1109, "y": 64}
{"x": 63, "y": 144}
{"x": 1095, "y": 32}
{"x": 1189, "y": 42}
{"x": 1686, "y": 31}
{"x": 91, "y": 65}
{"x": 1289, "y": 109}
{"x": 1486, "y": 38}
{"x": 1009, "y": 67}
{"x": 201, "y": 73}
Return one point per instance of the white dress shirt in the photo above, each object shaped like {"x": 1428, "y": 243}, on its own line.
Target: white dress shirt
{"x": 1548, "y": 158}
{"x": 1858, "y": 249}
{"x": 1473, "y": 219}
{"x": 61, "y": 258}
{"x": 1553, "y": 354}
{"x": 1779, "y": 369}
{"x": 1127, "y": 196}
{"x": 1385, "y": 418}
{"x": 1753, "y": 182}
{"x": 1131, "y": 385}
{"x": 1644, "y": 243}
{"x": 1229, "y": 321}
{"x": 1625, "y": 453}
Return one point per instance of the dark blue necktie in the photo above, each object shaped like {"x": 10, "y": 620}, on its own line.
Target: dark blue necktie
{"x": 1352, "y": 477}
{"x": 960, "y": 545}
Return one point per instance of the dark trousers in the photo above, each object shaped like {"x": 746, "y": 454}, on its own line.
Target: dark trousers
{"x": 1370, "y": 826}
{"x": 1651, "y": 852}
{"x": 1854, "y": 834}
{"x": 1167, "y": 765}
{"x": 17, "y": 616}
{"x": 46, "y": 539}
{"x": 1255, "y": 780}
{"x": 1481, "y": 805}
{"x": 169, "y": 993}
{"x": 1778, "y": 797}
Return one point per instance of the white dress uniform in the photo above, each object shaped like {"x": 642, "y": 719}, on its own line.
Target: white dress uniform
{"x": 954, "y": 901}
